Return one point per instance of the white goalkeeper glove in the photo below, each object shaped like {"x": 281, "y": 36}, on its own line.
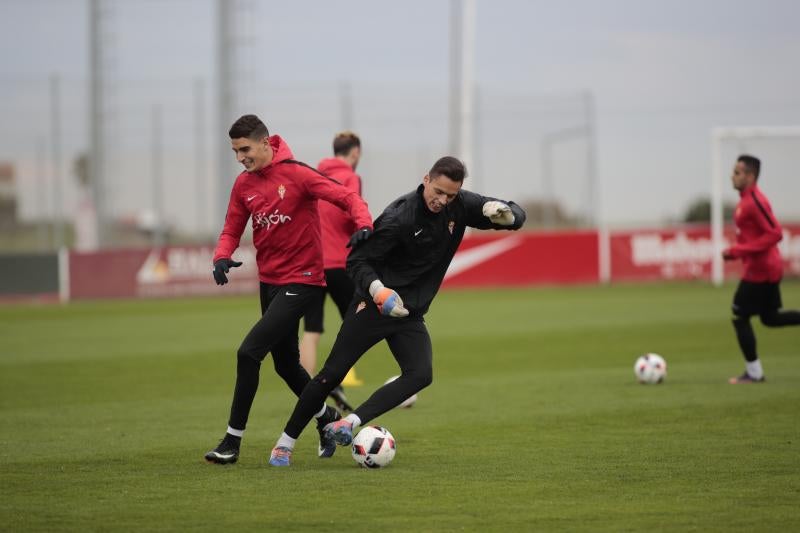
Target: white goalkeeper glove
{"x": 498, "y": 213}
{"x": 388, "y": 301}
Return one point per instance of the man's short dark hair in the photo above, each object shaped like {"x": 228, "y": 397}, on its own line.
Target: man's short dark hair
{"x": 248, "y": 127}
{"x": 450, "y": 167}
{"x": 344, "y": 142}
{"x": 753, "y": 164}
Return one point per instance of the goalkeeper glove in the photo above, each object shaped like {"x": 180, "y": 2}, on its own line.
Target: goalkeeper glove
{"x": 498, "y": 213}
{"x": 388, "y": 301}
{"x": 359, "y": 237}
{"x": 221, "y": 267}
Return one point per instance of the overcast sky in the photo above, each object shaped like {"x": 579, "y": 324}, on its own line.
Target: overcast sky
{"x": 662, "y": 74}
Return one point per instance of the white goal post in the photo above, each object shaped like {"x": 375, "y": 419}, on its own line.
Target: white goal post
{"x": 718, "y": 172}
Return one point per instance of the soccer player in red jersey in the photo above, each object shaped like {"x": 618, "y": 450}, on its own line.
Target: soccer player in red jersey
{"x": 337, "y": 227}
{"x": 279, "y": 195}
{"x": 757, "y": 235}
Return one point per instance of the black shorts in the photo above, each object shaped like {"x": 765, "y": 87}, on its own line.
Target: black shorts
{"x": 756, "y": 298}
{"x": 341, "y": 289}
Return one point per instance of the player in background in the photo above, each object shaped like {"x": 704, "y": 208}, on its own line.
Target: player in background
{"x": 337, "y": 228}
{"x": 757, "y": 235}
{"x": 280, "y": 195}
{"x": 397, "y": 273}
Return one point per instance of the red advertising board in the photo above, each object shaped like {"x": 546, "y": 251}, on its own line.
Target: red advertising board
{"x": 684, "y": 253}
{"x": 499, "y": 258}
{"x": 491, "y": 258}
{"x": 156, "y": 272}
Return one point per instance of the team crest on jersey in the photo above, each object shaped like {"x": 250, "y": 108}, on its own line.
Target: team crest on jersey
{"x": 738, "y": 211}
{"x": 450, "y": 226}
{"x": 281, "y": 191}
{"x": 361, "y": 306}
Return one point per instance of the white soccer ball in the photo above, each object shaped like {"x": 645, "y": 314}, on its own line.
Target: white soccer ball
{"x": 373, "y": 447}
{"x": 408, "y": 402}
{"x": 650, "y": 368}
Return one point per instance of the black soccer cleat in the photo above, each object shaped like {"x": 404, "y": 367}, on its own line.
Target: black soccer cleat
{"x": 341, "y": 400}
{"x": 327, "y": 445}
{"x": 226, "y": 453}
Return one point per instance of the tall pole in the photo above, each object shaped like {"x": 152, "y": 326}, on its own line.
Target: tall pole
{"x": 41, "y": 196}
{"x": 55, "y": 126}
{"x": 717, "y": 267}
{"x": 225, "y": 103}
{"x": 548, "y": 216}
{"x": 594, "y": 195}
{"x": 96, "y": 134}
{"x": 467, "y": 82}
{"x": 462, "y": 85}
{"x": 454, "y": 100}
{"x": 592, "y": 186}
{"x": 157, "y": 186}
{"x": 200, "y": 174}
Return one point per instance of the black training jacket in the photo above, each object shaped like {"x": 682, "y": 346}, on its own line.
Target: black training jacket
{"x": 412, "y": 247}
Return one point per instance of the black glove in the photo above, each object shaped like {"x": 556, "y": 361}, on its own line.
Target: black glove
{"x": 359, "y": 237}
{"x": 221, "y": 268}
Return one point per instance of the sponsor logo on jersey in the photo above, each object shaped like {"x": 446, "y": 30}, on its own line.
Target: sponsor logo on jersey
{"x": 267, "y": 220}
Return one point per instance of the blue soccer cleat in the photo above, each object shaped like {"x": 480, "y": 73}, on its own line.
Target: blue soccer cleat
{"x": 280, "y": 456}
{"x": 340, "y": 431}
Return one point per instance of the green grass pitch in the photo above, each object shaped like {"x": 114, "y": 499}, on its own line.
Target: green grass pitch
{"x": 534, "y": 420}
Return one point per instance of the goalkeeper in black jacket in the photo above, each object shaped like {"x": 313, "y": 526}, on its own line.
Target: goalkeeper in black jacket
{"x": 397, "y": 272}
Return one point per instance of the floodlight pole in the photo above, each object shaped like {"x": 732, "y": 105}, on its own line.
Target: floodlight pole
{"x": 41, "y": 195}
{"x": 594, "y": 193}
{"x": 201, "y": 185}
{"x": 225, "y": 101}
{"x": 462, "y": 84}
{"x": 55, "y": 124}
{"x": 157, "y": 188}
{"x": 717, "y": 271}
{"x": 96, "y": 130}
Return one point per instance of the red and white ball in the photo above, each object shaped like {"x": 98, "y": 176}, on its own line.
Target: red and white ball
{"x": 373, "y": 447}
{"x": 650, "y": 369}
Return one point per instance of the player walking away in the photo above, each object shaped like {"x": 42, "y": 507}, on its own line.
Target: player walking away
{"x": 280, "y": 195}
{"x": 757, "y": 235}
{"x": 397, "y": 273}
{"x": 337, "y": 228}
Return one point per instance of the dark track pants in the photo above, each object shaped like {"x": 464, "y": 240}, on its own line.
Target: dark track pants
{"x": 363, "y": 328}
{"x": 282, "y": 306}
